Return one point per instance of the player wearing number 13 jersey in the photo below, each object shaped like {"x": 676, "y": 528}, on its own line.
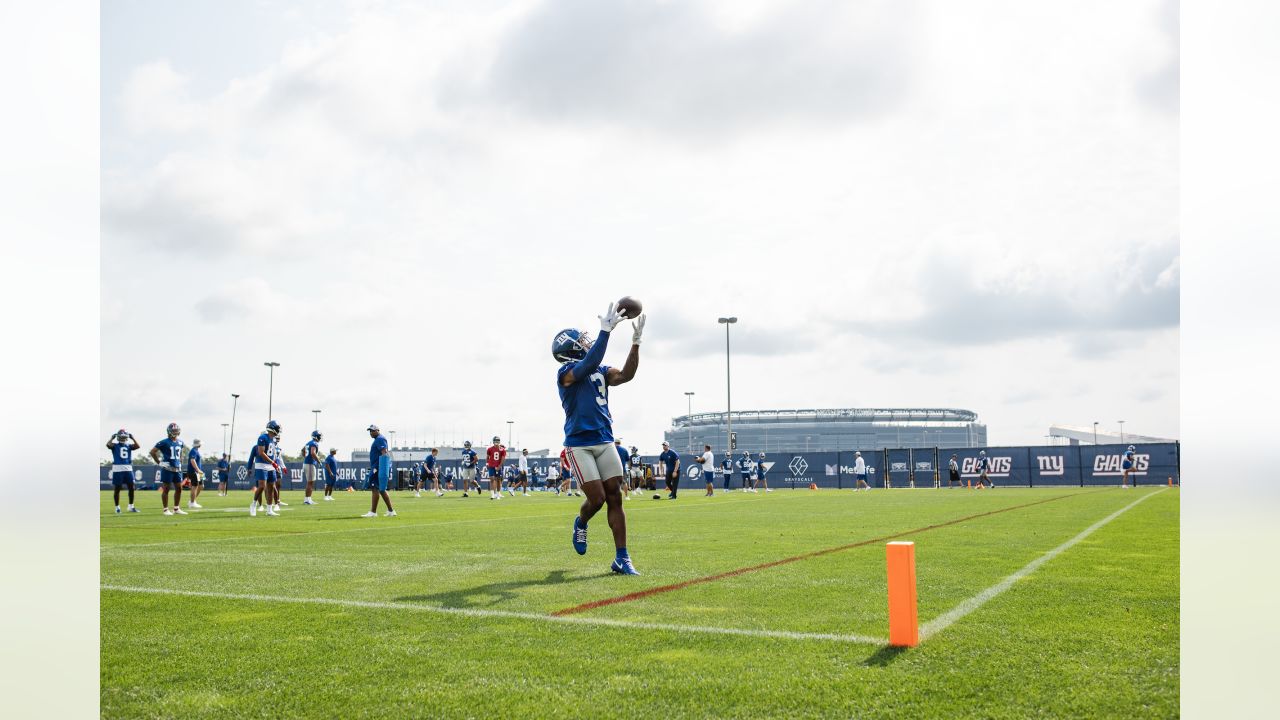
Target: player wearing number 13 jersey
{"x": 588, "y": 427}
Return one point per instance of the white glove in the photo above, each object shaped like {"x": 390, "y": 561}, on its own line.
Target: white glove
{"x": 610, "y": 319}
{"x": 637, "y": 329}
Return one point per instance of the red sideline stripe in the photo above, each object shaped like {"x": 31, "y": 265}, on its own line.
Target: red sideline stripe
{"x": 720, "y": 576}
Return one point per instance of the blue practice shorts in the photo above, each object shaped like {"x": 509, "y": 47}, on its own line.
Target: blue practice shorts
{"x": 122, "y": 479}
{"x": 1127, "y": 465}
{"x": 492, "y": 472}
{"x": 375, "y": 482}
{"x": 170, "y": 477}
{"x": 264, "y": 476}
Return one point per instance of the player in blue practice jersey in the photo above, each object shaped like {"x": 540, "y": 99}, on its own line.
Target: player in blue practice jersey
{"x": 194, "y": 475}
{"x": 744, "y": 471}
{"x": 168, "y": 455}
{"x": 431, "y": 471}
{"x": 263, "y": 464}
{"x": 311, "y": 465}
{"x": 588, "y": 427}
{"x": 761, "y": 472}
{"x": 726, "y": 467}
{"x": 224, "y": 474}
{"x": 330, "y": 473}
{"x": 669, "y": 461}
{"x": 984, "y": 466}
{"x": 122, "y": 445}
{"x": 378, "y": 484}
{"x": 469, "y": 469}
{"x": 1126, "y": 467}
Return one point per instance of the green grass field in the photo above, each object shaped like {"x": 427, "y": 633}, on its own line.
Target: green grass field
{"x": 446, "y": 610}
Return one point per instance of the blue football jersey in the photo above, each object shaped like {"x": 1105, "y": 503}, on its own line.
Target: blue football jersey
{"x": 331, "y": 464}
{"x": 982, "y": 463}
{"x": 170, "y": 453}
{"x": 122, "y": 454}
{"x": 306, "y": 452}
{"x": 264, "y": 442}
{"x": 586, "y": 408}
{"x": 375, "y": 450}
{"x": 430, "y": 463}
{"x": 193, "y": 455}
{"x": 468, "y": 458}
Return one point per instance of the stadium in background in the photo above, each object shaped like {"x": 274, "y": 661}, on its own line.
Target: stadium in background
{"x": 829, "y": 430}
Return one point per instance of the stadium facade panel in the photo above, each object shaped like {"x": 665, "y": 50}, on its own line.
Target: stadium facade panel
{"x": 829, "y": 430}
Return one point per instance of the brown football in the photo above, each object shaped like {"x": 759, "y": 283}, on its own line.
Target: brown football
{"x": 630, "y": 307}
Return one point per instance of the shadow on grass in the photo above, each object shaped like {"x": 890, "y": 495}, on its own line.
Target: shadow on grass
{"x": 491, "y": 594}
{"x": 885, "y": 656}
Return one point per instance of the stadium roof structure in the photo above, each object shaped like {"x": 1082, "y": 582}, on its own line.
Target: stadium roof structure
{"x": 1085, "y": 433}
{"x": 875, "y": 415}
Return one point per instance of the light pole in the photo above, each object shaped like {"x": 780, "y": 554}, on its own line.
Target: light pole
{"x": 317, "y": 425}
{"x": 728, "y": 386}
{"x": 271, "y": 387}
{"x": 1095, "y": 432}
{"x": 1121, "y": 431}
{"x": 393, "y": 439}
{"x": 510, "y": 424}
{"x": 234, "y": 399}
{"x": 687, "y": 424}
{"x": 224, "y": 438}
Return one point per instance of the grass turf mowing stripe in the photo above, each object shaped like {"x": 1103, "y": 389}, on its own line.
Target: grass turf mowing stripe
{"x": 640, "y": 594}
{"x": 945, "y": 620}
{"x": 482, "y": 613}
{"x": 367, "y": 528}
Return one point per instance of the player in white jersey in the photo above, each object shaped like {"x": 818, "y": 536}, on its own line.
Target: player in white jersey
{"x": 860, "y": 472}
{"x": 708, "y": 464}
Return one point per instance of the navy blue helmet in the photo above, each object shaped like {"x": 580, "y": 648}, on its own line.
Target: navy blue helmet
{"x": 570, "y": 345}
{"x": 273, "y": 427}
{"x": 316, "y": 435}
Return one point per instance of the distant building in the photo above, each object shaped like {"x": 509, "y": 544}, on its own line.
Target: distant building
{"x": 819, "y": 430}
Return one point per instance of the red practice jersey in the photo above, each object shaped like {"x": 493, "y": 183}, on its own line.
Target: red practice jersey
{"x": 495, "y": 455}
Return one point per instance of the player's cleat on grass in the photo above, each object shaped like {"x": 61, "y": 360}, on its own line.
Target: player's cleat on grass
{"x": 253, "y": 509}
{"x": 391, "y": 513}
{"x": 464, "y": 494}
{"x": 133, "y": 509}
{"x": 117, "y": 509}
{"x": 195, "y": 505}
{"x": 579, "y": 535}
{"x": 272, "y": 513}
{"x": 439, "y": 494}
{"x": 278, "y": 504}
{"x": 370, "y": 514}
{"x": 768, "y": 489}
{"x": 417, "y": 494}
{"x": 623, "y": 566}
{"x": 167, "y": 511}
{"x": 276, "y": 507}
{"x": 308, "y": 501}
{"x": 179, "y": 511}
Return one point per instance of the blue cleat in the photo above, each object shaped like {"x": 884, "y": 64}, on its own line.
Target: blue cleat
{"x": 579, "y": 535}
{"x": 623, "y": 566}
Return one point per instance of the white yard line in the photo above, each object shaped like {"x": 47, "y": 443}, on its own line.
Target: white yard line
{"x": 484, "y": 613}
{"x": 390, "y": 525}
{"x": 945, "y": 620}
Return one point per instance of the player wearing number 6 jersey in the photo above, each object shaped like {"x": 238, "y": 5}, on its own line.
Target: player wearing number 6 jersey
{"x": 588, "y": 427}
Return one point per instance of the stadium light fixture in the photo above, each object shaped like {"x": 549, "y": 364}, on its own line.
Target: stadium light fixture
{"x": 510, "y": 424}
{"x": 1121, "y": 431}
{"x": 728, "y": 386}
{"x": 317, "y": 425}
{"x": 1095, "y": 432}
{"x": 235, "y": 398}
{"x": 271, "y": 387}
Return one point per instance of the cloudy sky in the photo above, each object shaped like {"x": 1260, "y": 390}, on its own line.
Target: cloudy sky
{"x": 909, "y": 204}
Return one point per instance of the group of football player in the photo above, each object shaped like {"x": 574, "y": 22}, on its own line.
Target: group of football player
{"x": 174, "y": 475}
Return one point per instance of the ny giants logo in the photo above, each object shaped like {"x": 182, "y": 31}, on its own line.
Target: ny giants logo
{"x": 1104, "y": 465}
{"x": 1051, "y": 465}
{"x": 996, "y": 467}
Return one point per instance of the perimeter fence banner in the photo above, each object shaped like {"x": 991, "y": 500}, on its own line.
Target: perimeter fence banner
{"x": 1035, "y": 466}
